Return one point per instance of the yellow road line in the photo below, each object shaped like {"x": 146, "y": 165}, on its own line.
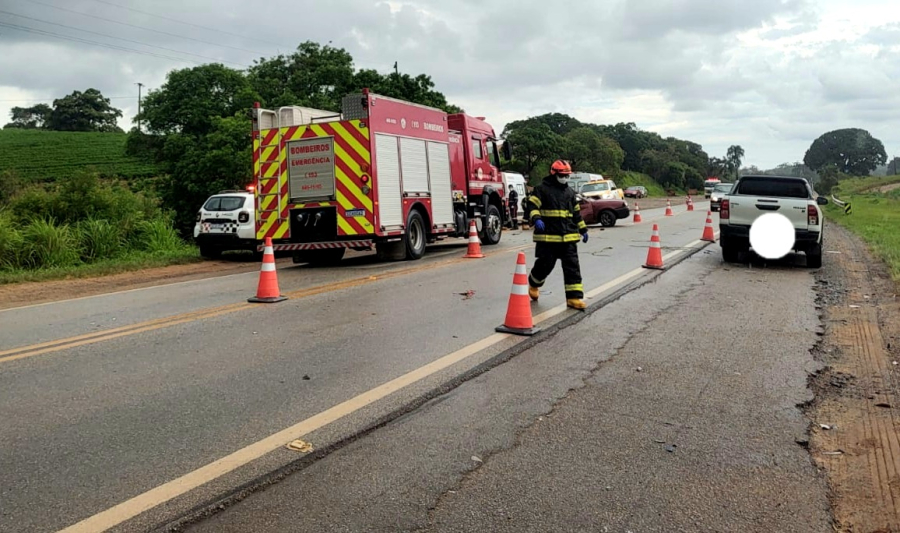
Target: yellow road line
{"x": 33, "y": 350}
{"x": 154, "y": 497}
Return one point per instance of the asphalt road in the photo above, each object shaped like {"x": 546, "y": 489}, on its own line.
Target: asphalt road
{"x": 674, "y": 408}
{"x": 90, "y": 422}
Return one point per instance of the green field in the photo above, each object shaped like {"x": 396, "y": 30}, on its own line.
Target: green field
{"x": 47, "y": 155}
{"x": 875, "y": 216}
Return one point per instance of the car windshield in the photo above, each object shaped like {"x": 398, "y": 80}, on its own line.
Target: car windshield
{"x": 594, "y": 187}
{"x": 724, "y": 187}
{"x": 224, "y": 203}
{"x": 710, "y": 183}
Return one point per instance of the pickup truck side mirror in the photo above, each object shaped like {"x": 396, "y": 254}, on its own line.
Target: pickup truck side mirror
{"x": 821, "y": 200}
{"x": 507, "y": 151}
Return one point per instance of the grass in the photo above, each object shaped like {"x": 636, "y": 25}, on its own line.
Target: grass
{"x": 875, "y": 216}
{"x": 37, "y": 155}
{"x": 633, "y": 179}
{"x": 129, "y": 262}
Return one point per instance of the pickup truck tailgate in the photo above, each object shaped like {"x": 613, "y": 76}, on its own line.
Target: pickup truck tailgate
{"x": 756, "y": 198}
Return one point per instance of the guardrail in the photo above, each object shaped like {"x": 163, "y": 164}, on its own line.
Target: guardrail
{"x": 848, "y": 208}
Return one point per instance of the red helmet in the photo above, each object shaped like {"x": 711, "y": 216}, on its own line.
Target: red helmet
{"x": 560, "y": 167}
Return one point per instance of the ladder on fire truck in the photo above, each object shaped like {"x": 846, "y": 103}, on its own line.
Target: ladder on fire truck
{"x": 270, "y": 154}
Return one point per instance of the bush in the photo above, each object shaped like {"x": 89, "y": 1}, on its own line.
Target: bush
{"x": 48, "y": 245}
{"x": 10, "y": 242}
{"x": 156, "y": 236}
{"x": 99, "y": 239}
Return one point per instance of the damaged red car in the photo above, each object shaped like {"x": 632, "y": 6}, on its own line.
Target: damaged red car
{"x": 605, "y": 212}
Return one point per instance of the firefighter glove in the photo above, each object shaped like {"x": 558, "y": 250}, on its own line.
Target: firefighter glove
{"x": 584, "y": 237}
{"x": 539, "y": 225}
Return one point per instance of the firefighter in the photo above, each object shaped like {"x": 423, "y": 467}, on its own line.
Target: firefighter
{"x": 556, "y": 217}
{"x": 513, "y": 207}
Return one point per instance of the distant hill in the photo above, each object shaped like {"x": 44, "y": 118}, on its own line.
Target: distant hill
{"x": 48, "y": 155}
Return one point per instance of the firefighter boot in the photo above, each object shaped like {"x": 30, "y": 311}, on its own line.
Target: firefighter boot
{"x": 576, "y": 303}
{"x": 534, "y": 292}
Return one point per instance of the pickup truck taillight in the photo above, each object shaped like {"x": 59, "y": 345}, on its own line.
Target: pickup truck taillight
{"x": 243, "y": 216}
{"x": 724, "y": 209}
{"x": 812, "y": 216}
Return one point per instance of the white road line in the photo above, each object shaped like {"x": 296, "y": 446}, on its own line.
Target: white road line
{"x": 143, "y": 502}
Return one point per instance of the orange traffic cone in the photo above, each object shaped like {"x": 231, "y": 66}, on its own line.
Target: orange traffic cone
{"x": 474, "y": 251}
{"x": 708, "y": 234}
{"x": 637, "y": 213}
{"x": 654, "y": 254}
{"x": 518, "y": 312}
{"x": 267, "y": 291}
{"x": 690, "y": 203}
{"x": 669, "y": 212}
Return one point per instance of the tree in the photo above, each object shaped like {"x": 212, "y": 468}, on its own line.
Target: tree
{"x": 852, "y": 150}
{"x": 894, "y": 167}
{"x": 610, "y": 156}
{"x": 734, "y": 155}
{"x": 34, "y": 117}
{"x": 582, "y": 149}
{"x": 533, "y": 142}
{"x": 419, "y": 89}
{"x": 84, "y": 111}
{"x": 192, "y": 98}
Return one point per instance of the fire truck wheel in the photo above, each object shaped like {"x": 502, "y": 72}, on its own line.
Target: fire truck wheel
{"x": 416, "y": 236}
{"x": 490, "y": 232}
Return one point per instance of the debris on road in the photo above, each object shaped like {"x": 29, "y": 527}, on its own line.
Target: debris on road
{"x": 671, "y": 448}
{"x": 300, "y": 446}
{"x": 826, "y": 427}
{"x": 468, "y": 294}
{"x": 836, "y": 452}
{"x": 639, "y": 369}
{"x": 883, "y": 404}
{"x": 477, "y": 459}
{"x": 306, "y": 377}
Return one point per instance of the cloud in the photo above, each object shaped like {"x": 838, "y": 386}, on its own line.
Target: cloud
{"x": 770, "y": 75}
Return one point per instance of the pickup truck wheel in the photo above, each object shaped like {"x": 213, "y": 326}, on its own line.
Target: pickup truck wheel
{"x": 493, "y": 226}
{"x": 814, "y": 256}
{"x": 607, "y": 219}
{"x": 730, "y": 253}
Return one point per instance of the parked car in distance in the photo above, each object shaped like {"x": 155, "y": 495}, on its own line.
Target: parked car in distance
{"x": 601, "y": 189}
{"x": 603, "y": 211}
{"x": 719, "y": 191}
{"x": 226, "y": 221}
{"x": 708, "y": 186}
{"x": 636, "y": 191}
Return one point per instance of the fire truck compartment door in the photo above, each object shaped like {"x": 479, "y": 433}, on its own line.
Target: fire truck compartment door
{"x": 311, "y": 168}
{"x": 414, "y": 165}
{"x": 387, "y": 160}
{"x": 441, "y": 194}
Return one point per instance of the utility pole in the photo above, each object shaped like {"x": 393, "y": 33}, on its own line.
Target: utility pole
{"x": 140, "y": 85}
{"x": 396, "y": 71}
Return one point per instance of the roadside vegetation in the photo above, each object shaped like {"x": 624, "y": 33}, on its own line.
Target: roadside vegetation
{"x": 875, "y": 215}
{"x": 82, "y": 226}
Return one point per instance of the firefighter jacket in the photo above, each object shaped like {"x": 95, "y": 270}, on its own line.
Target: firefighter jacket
{"x": 555, "y": 204}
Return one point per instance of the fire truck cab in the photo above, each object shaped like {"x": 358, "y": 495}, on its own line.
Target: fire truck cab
{"x": 384, "y": 174}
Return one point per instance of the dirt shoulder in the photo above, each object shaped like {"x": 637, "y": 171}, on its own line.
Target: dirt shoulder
{"x": 855, "y": 433}
{"x": 29, "y": 293}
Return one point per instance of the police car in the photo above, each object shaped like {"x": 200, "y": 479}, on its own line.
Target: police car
{"x": 226, "y": 222}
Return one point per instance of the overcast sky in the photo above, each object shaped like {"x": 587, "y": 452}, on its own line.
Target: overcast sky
{"x": 770, "y": 75}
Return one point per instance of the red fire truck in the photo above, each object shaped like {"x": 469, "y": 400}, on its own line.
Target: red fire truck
{"x": 384, "y": 174}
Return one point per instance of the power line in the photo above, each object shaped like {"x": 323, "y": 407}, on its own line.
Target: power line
{"x": 143, "y": 28}
{"x": 86, "y": 41}
{"x": 191, "y": 24}
{"x": 120, "y": 38}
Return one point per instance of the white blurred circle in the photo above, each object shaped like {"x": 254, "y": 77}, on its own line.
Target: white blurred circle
{"x": 772, "y": 236}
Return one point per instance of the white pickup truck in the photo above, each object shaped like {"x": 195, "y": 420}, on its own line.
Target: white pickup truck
{"x": 753, "y": 196}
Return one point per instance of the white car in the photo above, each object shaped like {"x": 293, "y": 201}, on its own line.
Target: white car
{"x": 226, "y": 221}
{"x": 753, "y": 196}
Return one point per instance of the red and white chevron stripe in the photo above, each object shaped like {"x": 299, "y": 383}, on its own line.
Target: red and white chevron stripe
{"x": 319, "y": 245}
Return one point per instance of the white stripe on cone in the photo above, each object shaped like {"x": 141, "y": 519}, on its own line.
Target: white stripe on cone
{"x": 521, "y": 269}
{"x": 519, "y": 290}
{"x": 654, "y": 244}
{"x": 268, "y": 250}
{"x": 268, "y": 267}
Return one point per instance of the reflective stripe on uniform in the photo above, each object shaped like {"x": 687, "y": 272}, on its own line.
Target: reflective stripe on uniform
{"x": 535, "y": 282}
{"x": 535, "y": 200}
{"x": 582, "y": 225}
{"x": 576, "y": 287}
{"x": 569, "y": 237}
{"x": 555, "y": 213}
{"x": 577, "y": 207}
